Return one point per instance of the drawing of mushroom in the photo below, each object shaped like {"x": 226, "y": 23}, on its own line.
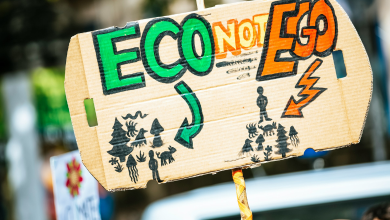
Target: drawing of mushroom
{"x": 260, "y": 141}
{"x": 156, "y": 130}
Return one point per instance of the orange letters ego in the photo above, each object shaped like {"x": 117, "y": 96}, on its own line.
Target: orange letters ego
{"x": 284, "y": 35}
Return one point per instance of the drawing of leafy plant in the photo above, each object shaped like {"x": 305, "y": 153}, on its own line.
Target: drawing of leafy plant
{"x": 118, "y": 168}
{"x": 141, "y": 158}
{"x": 255, "y": 159}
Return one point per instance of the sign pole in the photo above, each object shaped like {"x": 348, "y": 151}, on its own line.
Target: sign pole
{"x": 238, "y": 178}
{"x": 200, "y": 4}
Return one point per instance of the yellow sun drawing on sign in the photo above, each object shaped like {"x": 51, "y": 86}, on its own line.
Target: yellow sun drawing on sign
{"x": 74, "y": 177}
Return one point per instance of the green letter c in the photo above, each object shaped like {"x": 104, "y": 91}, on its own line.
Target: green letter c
{"x": 154, "y": 32}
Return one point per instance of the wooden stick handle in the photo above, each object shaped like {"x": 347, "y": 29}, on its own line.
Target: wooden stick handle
{"x": 200, "y": 4}
{"x": 238, "y": 178}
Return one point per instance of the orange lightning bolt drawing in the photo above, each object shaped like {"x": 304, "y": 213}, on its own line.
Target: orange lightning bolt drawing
{"x": 307, "y": 94}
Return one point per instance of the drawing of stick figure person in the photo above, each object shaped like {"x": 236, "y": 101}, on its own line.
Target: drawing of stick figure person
{"x": 262, "y": 102}
{"x": 153, "y": 166}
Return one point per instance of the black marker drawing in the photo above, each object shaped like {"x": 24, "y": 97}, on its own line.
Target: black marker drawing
{"x": 248, "y": 53}
{"x": 131, "y": 129}
{"x": 260, "y": 140}
{"x": 247, "y": 148}
{"x": 243, "y": 76}
{"x": 239, "y": 69}
{"x": 255, "y": 159}
{"x": 153, "y": 166}
{"x": 118, "y": 167}
{"x": 132, "y": 167}
{"x": 141, "y": 158}
{"x": 235, "y": 62}
{"x": 166, "y": 155}
{"x": 156, "y": 130}
{"x": 268, "y": 153}
{"x": 268, "y": 129}
{"x": 135, "y": 116}
{"x": 119, "y": 141}
{"x": 294, "y": 136}
{"x": 262, "y": 102}
{"x": 140, "y": 139}
{"x": 282, "y": 142}
{"x": 252, "y": 130}
{"x": 113, "y": 161}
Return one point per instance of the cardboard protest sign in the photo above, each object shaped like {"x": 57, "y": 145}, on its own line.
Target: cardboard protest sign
{"x": 75, "y": 190}
{"x": 225, "y": 87}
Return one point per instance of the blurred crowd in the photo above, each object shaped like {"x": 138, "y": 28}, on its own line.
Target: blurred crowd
{"x": 34, "y": 117}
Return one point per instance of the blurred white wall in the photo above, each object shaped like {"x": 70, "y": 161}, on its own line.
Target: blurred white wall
{"x": 22, "y": 150}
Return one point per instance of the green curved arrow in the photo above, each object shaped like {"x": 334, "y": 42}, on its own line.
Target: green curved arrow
{"x": 186, "y": 132}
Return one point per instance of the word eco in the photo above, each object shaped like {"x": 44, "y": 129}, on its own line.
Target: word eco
{"x": 110, "y": 60}
{"x": 232, "y": 38}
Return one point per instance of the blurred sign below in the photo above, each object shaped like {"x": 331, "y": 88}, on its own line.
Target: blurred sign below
{"x": 75, "y": 189}
{"x": 225, "y": 87}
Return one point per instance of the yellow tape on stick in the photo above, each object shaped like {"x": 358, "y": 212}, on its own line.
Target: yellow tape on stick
{"x": 238, "y": 178}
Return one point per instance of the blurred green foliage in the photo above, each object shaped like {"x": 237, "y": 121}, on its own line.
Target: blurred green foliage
{"x": 50, "y": 99}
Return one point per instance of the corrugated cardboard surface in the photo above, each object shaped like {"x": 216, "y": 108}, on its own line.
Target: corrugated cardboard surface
{"x": 336, "y": 118}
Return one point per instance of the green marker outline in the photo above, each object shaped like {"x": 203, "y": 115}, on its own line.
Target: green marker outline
{"x": 110, "y": 59}
{"x": 186, "y": 132}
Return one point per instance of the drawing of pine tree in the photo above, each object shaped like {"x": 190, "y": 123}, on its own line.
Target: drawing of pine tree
{"x": 282, "y": 141}
{"x": 119, "y": 141}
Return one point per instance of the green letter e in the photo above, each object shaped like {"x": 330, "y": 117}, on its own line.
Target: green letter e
{"x": 110, "y": 59}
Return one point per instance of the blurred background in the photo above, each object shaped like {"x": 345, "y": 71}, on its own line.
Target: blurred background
{"x": 35, "y": 122}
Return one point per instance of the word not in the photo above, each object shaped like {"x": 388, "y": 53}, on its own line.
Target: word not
{"x": 282, "y": 35}
{"x": 239, "y": 35}
{"x": 110, "y": 59}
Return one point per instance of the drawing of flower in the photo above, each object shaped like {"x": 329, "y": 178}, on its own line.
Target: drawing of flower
{"x": 113, "y": 161}
{"x": 74, "y": 177}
